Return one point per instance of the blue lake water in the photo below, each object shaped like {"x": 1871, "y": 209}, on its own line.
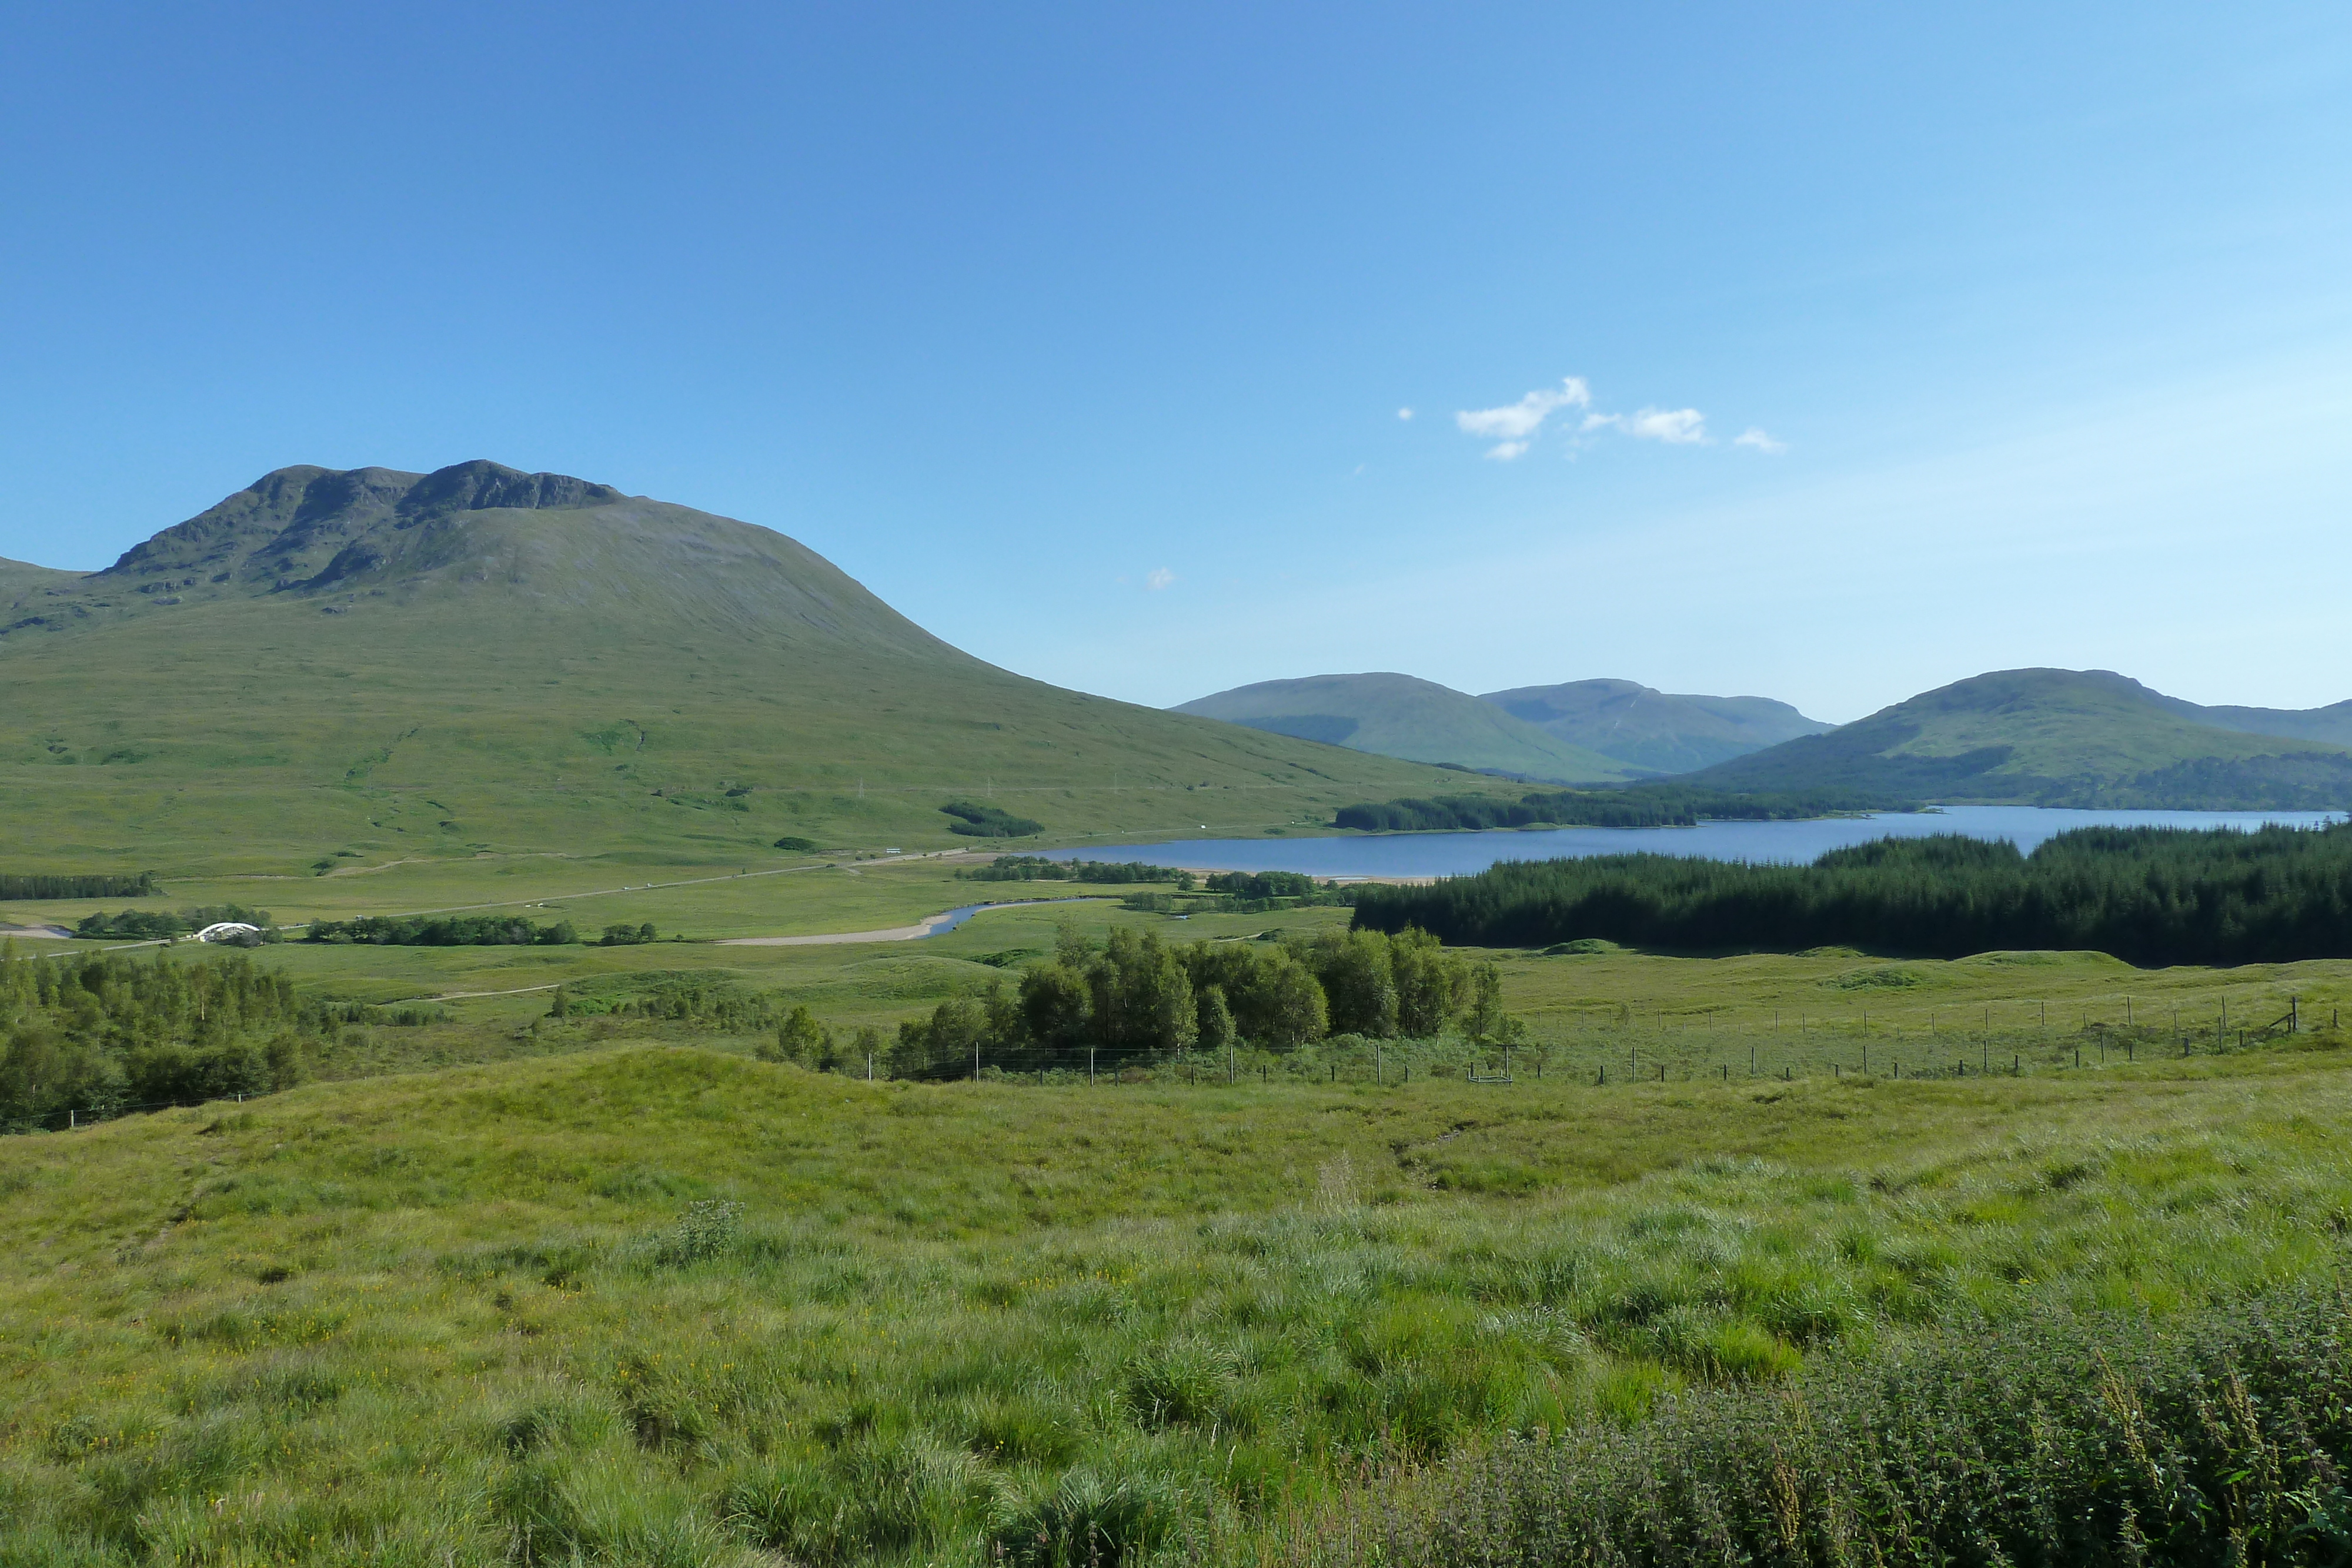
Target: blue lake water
{"x": 1457, "y": 854}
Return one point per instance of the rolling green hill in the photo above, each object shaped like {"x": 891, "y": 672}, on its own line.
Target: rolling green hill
{"x": 1400, "y": 715}
{"x": 369, "y": 665}
{"x": 1655, "y": 731}
{"x": 2057, "y": 737}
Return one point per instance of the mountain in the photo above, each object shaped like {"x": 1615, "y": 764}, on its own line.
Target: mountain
{"x": 2065, "y": 738}
{"x": 350, "y": 666}
{"x": 1654, "y": 731}
{"x": 1400, "y": 716}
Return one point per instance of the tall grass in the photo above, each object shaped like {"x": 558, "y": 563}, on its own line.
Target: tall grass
{"x": 671, "y": 1306}
{"x": 2219, "y": 1438}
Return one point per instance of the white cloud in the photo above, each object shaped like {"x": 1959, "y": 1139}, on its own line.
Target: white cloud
{"x": 1514, "y": 427}
{"x": 1404, "y": 413}
{"x": 1160, "y": 578}
{"x": 1674, "y": 427}
{"x": 1514, "y": 422}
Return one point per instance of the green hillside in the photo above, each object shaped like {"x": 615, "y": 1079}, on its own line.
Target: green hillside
{"x": 19, "y": 577}
{"x": 1655, "y": 731}
{"x": 1400, "y": 716}
{"x": 2053, "y": 738}
{"x": 365, "y": 667}
{"x": 2329, "y": 725}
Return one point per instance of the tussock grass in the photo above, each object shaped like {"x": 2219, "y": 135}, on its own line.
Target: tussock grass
{"x": 668, "y": 1306}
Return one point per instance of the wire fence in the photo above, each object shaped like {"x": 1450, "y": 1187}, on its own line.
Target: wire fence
{"x": 1632, "y": 1050}
{"x": 75, "y": 1119}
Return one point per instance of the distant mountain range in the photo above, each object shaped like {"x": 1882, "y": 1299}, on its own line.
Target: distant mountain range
{"x": 345, "y": 666}
{"x": 2069, "y": 737}
{"x": 1601, "y": 731}
{"x": 1658, "y": 732}
{"x": 1400, "y": 715}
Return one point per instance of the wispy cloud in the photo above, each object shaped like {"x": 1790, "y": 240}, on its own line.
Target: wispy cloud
{"x": 1160, "y": 578}
{"x": 1404, "y": 413}
{"x": 1512, "y": 424}
{"x": 1674, "y": 427}
{"x": 1514, "y": 427}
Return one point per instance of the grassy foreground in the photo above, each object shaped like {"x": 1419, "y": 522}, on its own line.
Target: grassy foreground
{"x": 652, "y": 1305}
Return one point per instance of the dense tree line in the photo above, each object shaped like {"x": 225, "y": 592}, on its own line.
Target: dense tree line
{"x": 153, "y": 924}
{"x": 1036, "y": 868}
{"x": 977, "y": 822}
{"x": 1133, "y": 996}
{"x": 43, "y": 885}
{"x": 2147, "y": 895}
{"x": 94, "y": 1033}
{"x": 443, "y": 931}
{"x": 1262, "y": 884}
{"x": 1636, "y": 806}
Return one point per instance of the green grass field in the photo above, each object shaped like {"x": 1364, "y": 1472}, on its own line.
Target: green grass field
{"x": 663, "y": 1304}
{"x": 467, "y": 1298}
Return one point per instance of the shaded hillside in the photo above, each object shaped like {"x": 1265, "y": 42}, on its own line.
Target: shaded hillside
{"x": 1401, "y": 716}
{"x": 370, "y": 664}
{"x": 1658, "y": 732}
{"x": 2053, "y": 737}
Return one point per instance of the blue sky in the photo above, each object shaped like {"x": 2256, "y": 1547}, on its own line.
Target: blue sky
{"x": 1082, "y": 334}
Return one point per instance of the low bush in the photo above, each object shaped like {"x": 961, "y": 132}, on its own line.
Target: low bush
{"x": 2057, "y": 1438}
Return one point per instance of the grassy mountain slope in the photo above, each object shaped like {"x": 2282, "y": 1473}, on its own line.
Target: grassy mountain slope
{"x": 1400, "y": 716}
{"x": 378, "y": 665}
{"x": 1660, "y": 732}
{"x": 19, "y": 577}
{"x": 2053, "y": 737}
{"x": 2330, "y": 726}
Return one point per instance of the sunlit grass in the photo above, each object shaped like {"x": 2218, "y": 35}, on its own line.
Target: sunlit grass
{"x": 509, "y": 1312}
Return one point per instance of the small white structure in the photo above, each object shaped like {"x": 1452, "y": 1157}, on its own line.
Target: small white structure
{"x": 232, "y": 931}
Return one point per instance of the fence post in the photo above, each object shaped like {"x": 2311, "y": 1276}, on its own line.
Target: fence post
{"x": 1090, "y": 1067}
{"x": 73, "y": 1120}
{"x": 975, "y": 1057}
{"x": 869, "y": 1067}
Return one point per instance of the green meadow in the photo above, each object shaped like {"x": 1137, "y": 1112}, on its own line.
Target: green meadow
{"x": 503, "y": 1287}
{"x": 665, "y": 1305}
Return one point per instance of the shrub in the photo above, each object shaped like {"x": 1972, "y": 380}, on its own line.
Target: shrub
{"x": 980, "y": 821}
{"x": 2056, "y": 1439}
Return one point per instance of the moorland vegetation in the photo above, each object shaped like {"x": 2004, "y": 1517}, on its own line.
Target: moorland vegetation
{"x": 673, "y": 1307}
{"x": 322, "y": 672}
